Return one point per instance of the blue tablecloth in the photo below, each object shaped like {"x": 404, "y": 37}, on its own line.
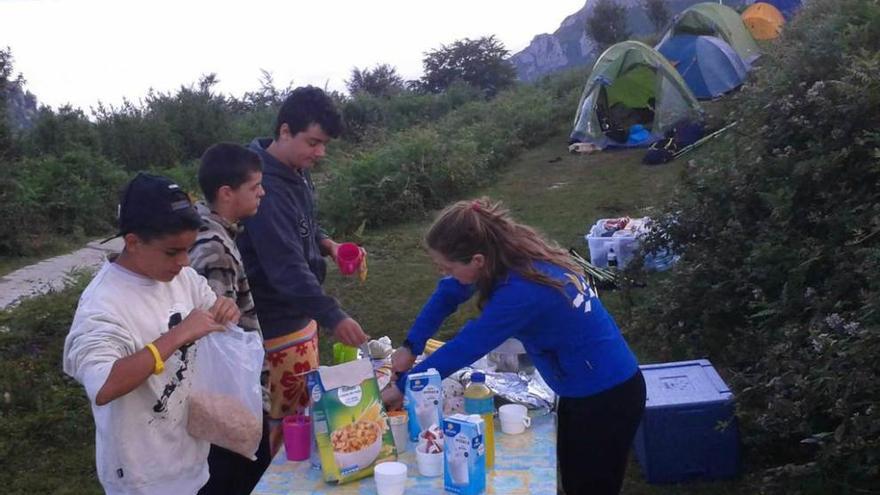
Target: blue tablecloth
{"x": 524, "y": 465}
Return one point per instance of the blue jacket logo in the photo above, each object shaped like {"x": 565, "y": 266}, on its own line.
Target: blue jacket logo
{"x": 584, "y": 293}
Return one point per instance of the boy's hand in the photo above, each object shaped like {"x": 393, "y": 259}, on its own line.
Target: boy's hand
{"x": 196, "y": 325}
{"x": 392, "y": 398}
{"x": 225, "y": 310}
{"x": 402, "y": 360}
{"x": 349, "y": 332}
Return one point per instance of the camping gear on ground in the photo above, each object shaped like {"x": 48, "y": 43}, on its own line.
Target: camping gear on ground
{"x": 689, "y": 429}
{"x": 349, "y": 420}
{"x": 788, "y": 8}
{"x": 599, "y": 278}
{"x": 480, "y": 400}
{"x": 715, "y": 19}
{"x": 763, "y": 21}
{"x": 708, "y": 65}
{"x": 631, "y": 84}
{"x": 297, "y": 430}
{"x": 464, "y": 458}
{"x": 679, "y": 137}
{"x": 226, "y": 401}
{"x": 622, "y": 236}
{"x": 638, "y": 135}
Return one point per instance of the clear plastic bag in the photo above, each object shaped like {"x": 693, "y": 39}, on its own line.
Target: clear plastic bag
{"x": 225, "y": 405}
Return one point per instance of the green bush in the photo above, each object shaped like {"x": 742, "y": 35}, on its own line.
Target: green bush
{"x": 778, "y": 232}
{"x": 71, "y": 196}
{"x": 131, "y": 137}
{"x": 47, "y": 433}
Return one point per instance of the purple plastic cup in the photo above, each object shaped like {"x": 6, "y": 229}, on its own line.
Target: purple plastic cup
{"x": 297, "y": 437}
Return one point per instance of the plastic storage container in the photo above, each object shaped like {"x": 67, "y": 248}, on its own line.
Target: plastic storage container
{"x": 689, "y": 430}
{"x": 624, "y": 246}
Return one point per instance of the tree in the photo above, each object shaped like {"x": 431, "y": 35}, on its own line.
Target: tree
{"x": 482, "y": 63}
{"x": 606, "y": 24}
{"x": 658, "y": 13}
{"x": 7, "y": 84}
{"x": 382, "y": 80}
{"x": 55, "y": 133}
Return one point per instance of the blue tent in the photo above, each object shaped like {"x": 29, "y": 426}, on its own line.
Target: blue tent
{"x": 787, "y": 7}
{"x": 708, "y": 65}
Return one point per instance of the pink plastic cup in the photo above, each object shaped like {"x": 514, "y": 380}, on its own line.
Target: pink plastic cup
{"x": 349, "y": 258}
{"x": 297, "y": 437}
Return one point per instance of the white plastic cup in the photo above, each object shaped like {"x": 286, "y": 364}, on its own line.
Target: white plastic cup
{"x": 430, "y": 465}
{"x": 514, "y": 418}
{"x": 390, "y": 478}
{"x": 399, "y": 431}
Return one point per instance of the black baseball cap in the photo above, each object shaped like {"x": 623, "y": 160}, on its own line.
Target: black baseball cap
{"x": 155, "y": 205}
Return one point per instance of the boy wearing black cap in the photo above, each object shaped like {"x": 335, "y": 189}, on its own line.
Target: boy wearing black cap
{"x": 231, "y": 180}
{"x": 130, "y": 345}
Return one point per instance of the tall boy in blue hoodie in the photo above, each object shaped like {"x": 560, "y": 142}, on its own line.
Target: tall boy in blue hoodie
{"x": 283, "y": 249}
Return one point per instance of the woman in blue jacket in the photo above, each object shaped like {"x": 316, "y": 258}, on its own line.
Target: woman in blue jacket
{"x": 531, "y": 290}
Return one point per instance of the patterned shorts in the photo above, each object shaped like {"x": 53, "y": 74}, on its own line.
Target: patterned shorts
{"x": 289, "y": 358}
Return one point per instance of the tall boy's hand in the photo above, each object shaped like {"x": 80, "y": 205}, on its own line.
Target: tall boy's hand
{"x": 196, "y": 325}
{"x": 225, "y": 310}
{"x": 349, "y": 332}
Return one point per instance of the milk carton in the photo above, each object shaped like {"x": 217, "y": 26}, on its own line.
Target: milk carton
{"x": 464, "y": 457}
{"x": 349, "y": 421}
{"x": 423, "y": 400}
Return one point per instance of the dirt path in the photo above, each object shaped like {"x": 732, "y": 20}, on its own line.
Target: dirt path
{"x": 52, "y": 273}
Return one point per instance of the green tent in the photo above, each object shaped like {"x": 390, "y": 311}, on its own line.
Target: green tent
{"x": 632, "y": 84}
{"x": 715, "y": 19}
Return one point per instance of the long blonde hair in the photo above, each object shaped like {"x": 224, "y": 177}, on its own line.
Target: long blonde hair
{"x": 485, "y": 227}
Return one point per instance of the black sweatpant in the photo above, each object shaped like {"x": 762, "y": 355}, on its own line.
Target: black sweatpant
{"x": 594, "y": 436}
{"x": 232, "y": 474}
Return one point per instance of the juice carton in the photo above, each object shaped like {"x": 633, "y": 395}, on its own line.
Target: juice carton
{"x": 464, "y": 457}
{"x": 349, "y": 421}
{"x": 423, "y": 400}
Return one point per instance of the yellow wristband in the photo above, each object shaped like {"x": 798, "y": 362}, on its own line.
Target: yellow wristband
{"x": 159, "y": 366}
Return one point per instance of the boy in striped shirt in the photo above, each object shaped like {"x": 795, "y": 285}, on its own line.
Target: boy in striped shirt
{"x": 230, "y": 177}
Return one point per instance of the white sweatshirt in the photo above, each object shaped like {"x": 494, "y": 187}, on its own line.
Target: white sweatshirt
{"x": 141, "y": 442}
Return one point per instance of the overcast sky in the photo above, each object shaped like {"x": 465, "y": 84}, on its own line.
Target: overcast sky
{"x": 83, "y": 51}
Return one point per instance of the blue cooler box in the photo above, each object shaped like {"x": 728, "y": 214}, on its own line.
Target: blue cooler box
{"x": 689, "y": 429}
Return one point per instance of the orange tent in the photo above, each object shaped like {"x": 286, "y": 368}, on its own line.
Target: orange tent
{"x": 763, "y": 20}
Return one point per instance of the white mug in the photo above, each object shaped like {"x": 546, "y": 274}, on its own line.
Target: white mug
{"x": 514, "y": 418}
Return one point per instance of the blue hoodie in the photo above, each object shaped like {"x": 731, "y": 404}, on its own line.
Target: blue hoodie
{"x": 281, "y": 254}
{"x": 572, "y": 340}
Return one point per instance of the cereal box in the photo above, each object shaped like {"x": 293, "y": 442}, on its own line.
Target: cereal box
{"x": 349, "y": 421}
{"x": 464, "y": 458}
{"x": 423, "y": 400}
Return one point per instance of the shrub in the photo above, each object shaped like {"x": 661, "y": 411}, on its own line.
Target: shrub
{"x": 68, "y": 196}
{"x": 778, "y": 235}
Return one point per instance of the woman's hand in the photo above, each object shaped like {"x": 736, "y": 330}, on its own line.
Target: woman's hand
{"x": 402, "y": 360}
{"x": 392, "y": 397}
